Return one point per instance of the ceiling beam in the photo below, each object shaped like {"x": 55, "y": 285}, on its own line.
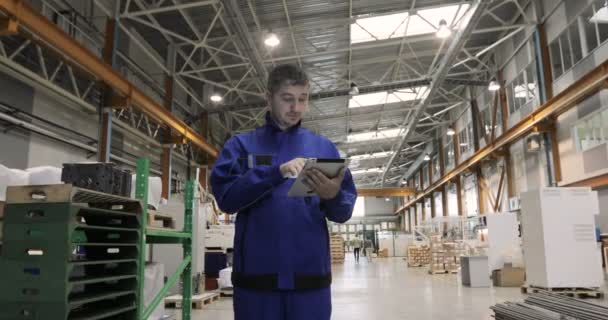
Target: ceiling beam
{"x": 44, "y": 29}
{"x": 476, "y": 10}
{"x": 386, "y": 192}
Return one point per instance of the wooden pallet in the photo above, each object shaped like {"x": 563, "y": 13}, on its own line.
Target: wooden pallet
{"x": 571, "y": 292}
{"x": 160, "y": 220}
{"x": 438, "y": 271}
{"x": 227, "y": 293}
{"x": 198, "y": 301}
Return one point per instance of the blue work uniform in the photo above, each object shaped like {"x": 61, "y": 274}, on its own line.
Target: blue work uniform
{"x": 282, "y": 267}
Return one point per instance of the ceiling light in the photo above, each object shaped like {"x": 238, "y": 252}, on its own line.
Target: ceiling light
{"x": 450, "y": 132}
{"x": 427, "y": 157}
{"x": 371, "y": 155}
{"x": 444, "y": 31}
{"x": 354, "y": 90}
{"x": 216, "y": 98}
{"x": 387, "y": 199}
{"x": 464, "y": 144}
{"x": 494, "y": 86}
{"x": 272, "y": 40}
{"x": 601, "y": 16}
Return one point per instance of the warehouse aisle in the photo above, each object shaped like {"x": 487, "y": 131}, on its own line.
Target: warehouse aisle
{"x": 386, "y": 289}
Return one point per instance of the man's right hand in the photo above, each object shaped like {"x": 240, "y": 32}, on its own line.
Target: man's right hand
{"x": 292, "y": 168}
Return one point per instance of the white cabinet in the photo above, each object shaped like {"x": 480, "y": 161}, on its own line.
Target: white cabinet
{"x": 559, "y": 243}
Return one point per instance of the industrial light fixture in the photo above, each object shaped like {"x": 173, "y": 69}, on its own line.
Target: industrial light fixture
{"x": 354, "y": 90}
{"x": 387, "y": 199}
{"x": 272, "y": 40}
{"x": 427, "y": 157}
{"x": 601, "y": 16}
{"x": 216, "y": 98}
{"x": 494, "y": 86}
{"x": 450, "y": 132}
{"x": 444, "y": 31}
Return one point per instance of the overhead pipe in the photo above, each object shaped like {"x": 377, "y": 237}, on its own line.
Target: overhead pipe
{"x": 31, "y": 21}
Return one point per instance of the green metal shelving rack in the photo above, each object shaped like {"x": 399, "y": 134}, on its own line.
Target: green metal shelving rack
{"x": 158, "y": 236}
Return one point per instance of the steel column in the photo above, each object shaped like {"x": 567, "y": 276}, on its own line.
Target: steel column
{"x": 104, "y": 110}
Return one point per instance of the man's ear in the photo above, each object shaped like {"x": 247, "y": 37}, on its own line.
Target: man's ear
{"x": 268, "y": 97}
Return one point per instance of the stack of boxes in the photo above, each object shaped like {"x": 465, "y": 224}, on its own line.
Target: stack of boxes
{"x": 336, "y": 247}
{"x": 102, "y": 177}
{"x": 418, "y": 256}
{"x": 67, "y": 260}
{"x": 445, "y": 256}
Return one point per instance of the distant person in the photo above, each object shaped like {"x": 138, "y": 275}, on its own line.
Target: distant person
{"x": 356, "y": 248}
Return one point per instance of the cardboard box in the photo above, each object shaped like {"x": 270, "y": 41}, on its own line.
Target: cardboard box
{"x": 508, "y": 277}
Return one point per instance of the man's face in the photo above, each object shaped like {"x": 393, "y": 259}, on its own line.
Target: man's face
{"x": 289, "y": 104}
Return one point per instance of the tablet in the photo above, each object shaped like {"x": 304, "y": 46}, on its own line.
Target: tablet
{"x": 330, "y": 167}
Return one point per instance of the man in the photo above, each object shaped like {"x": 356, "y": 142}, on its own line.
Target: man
{"x": 282, "y": 267}
{"x": 356, "y": 248}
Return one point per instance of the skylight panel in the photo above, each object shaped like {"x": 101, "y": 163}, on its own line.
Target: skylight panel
{"x": 374, "y": 135}
{"x": 383, "y": 97}
{"x": 368, "y": 156}
{"x": 424, "y": 21}
{"x": 378, "y": 27}
{"x": 366, "y": 171}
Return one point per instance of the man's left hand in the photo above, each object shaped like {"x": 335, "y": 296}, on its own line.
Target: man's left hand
{"x": 325, "y": 187}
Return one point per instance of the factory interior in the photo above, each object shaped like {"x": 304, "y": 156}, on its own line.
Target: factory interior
{"x": 303, "y": 159}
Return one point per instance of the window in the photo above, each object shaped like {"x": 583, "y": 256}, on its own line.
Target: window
{"x": 568, "y": 49}
{"x": 465, "y": 139}
{"x": 523, "y": 88}
{"x": 448, "y": 153}
{"x": 575, "y": 42}
{"x": 564, "y": 44}
{"x": 359, "y": 209}
{"x": 436, "y": 167}
{"x": 556, "y": 61}
{"x": 417, "y": 181}
{"x": 590, "y": 29}
{"x": 425, "y": 176}
{"x": 592, "y": 131}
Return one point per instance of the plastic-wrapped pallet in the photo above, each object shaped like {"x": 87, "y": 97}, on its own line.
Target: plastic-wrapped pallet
{"x": 225, "y": 280}
{"x": 154, "y": 190}
{"x": 44, "y": 175}
{"x": 155, "y": 273}
{"x": 11, "y": 177}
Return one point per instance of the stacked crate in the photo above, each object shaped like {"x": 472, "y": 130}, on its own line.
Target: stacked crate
{"x": 336, "y": 247}
{"x": 445, "y": 255}
{"x": 418, "y": 256}
{"x": 102, "y": 177}
{"x": 69, "y": 259}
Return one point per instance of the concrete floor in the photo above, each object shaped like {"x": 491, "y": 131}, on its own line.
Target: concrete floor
{"x": 386, "y": 289}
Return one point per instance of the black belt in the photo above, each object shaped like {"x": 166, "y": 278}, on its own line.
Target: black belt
{"x": 270, "y": 282}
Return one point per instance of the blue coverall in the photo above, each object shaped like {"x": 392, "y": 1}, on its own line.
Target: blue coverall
{"x": 282, "y": 268}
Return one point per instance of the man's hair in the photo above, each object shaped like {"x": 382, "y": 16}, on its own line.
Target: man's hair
{"x": 288, "y": 74}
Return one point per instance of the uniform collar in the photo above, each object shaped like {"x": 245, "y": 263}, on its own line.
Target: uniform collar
{"x": 272, "y": 124}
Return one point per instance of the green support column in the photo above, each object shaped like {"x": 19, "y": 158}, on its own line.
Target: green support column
{"x": 187, "y": 245}
{"x": 141, "y": 193}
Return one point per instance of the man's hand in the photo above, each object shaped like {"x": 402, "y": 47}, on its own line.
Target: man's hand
{"x": 292, "y": 168}
{"x": 325, "y": 187}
